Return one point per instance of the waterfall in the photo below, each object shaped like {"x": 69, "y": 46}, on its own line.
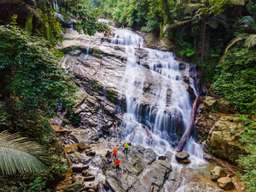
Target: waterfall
{"x": 158, "y": 103}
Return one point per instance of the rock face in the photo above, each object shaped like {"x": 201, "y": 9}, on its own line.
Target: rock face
{"x": 217, "y": 173}
{"x": 158, "y": 43}
{"x": 142, "y": 172}
{"x": 226, "y": 183}
{"x": 182, "y": 157}
{"x": 223, "y": 141}
{"x": 220, "y": 131}
{"x": 199, "y": 187}
{"x": 88, "y": 146}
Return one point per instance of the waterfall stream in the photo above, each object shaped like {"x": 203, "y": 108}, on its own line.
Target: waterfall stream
{"x": 160, "y": 122}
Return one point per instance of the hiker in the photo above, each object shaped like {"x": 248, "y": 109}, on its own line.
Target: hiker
{"x": 117, "y": 163}
{"x": 126, "y": 149}
{"x": 115, "y": 152}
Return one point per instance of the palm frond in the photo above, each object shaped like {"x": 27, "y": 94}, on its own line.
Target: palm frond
{"x": 19, "y": 155}
{"x": 248, "y": 20}
{"x": 250, "y": 41}
{"x": 231, "y": 44}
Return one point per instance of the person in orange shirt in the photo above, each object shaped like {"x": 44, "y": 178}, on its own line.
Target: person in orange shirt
{"x": 115, "y": 152}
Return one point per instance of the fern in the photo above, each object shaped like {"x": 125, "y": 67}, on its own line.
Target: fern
{"x": 231, "y": 44}
{"x": 19, "y": 156}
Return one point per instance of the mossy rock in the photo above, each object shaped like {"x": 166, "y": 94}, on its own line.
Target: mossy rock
{"x": 224, "y": 140}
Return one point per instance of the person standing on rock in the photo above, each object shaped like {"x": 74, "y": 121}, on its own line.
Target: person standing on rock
{"x": 117, "y": 163}
{"x": 115, "y": 152}
{"x": 126, "y": 149}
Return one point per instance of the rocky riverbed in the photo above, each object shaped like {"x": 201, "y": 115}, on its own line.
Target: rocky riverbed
{"x": 97, "y": 67}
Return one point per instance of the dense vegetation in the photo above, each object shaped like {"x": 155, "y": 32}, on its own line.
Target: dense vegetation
{"x": 31, "y": 87}
{"x": 218, "y": 35}
{"x": 31, "y": 84}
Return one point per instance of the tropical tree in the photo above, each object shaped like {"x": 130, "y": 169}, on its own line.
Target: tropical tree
{"x": 18, "y": 155}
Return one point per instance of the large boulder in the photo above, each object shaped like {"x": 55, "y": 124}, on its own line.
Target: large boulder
{"x": 226, "y": 183}
{"x": 141, "y": 172}
{"x": 182, "y": 157}
{"x": 217, "y": 172}
{"x": 158, "y": 43}
{"x": 219, "y": 129}
{"x": 224, "y": 139}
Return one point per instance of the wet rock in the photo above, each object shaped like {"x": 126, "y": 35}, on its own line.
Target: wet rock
{"x": 182, "y": 157}
{"x": 199, "y": 187}
{"x": 163, "y": 44}
{"x": 91, "y": 153}
{"x": 226, "y": 183}
{"x": 153, "y": 177}
{"x": 79, "y": 168}
{"x": 224, "y": 140}
{"x": 217, "y": 172}
{"x": 86, "y": 173}
{"x": 89, "y": 178}
{"x": 114, "y": 185}
{"x": 182, "y": 66}
{"x": 83, "y": 146}
{"x": 162, "y": 158}
{"x": 185, "y": 161}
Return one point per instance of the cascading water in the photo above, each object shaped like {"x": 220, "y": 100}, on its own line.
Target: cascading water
{"x": 167, "y": 114}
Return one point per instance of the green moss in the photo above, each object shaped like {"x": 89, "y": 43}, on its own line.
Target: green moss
{"x": 111, "y": 96}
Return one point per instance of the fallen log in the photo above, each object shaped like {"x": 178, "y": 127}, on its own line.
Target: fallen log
{"x": 186, "y": 135}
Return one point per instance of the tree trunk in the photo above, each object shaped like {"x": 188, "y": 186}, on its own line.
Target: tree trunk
{"x": 203, "y": 39}
{"x": 186, "y": 135}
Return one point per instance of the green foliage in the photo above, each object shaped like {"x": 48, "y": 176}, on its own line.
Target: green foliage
{"x": 248, "y": 162}
{"x": 145, "y": 15}
{"x": 38, "y": 184}
{"x": 36, "y": 17}
{"x": 237, "y": 79}
{"x": 85, "y": 15}
{"x": 34, "y": 79}
{"x": 187, "y": 50}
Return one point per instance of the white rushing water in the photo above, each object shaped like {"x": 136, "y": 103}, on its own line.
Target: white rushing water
{"x": 169, "y": 110}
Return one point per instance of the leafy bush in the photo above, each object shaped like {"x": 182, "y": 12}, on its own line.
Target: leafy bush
{"x": 236, "y": 80}
{"x": 34, "y": 82}
{"x": 248, "y": 162}
{"x": 85, "y": 15}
